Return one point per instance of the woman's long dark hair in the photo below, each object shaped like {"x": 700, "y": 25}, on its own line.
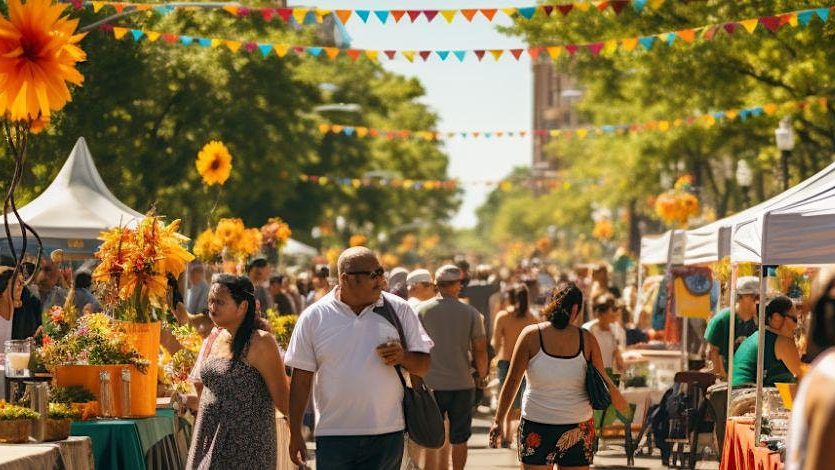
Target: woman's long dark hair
{"x": 521, "y": 303}
{"x": 561, "y": 299}
{"x": 822, "y": 321}
{"x": 240, "y": 288}
{"x": 5, "y": 277}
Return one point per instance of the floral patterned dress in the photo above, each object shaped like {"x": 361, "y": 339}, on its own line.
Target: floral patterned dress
{"x": 235, "y": 425}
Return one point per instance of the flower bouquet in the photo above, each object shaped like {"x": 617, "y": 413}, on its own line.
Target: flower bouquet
{"x": 15, "y": 423}
{"x": 230, "y": 241}
{"x": 282, "y": 326}
{"x": 179, "y": 365}
{"x": 274, "y": 234}
{"x": 58, "y": 421}
{"x": 677, "y": 206}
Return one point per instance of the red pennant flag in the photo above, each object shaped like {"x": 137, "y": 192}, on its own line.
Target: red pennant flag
{"x": 373, "y": 132}
{"x": 571, "y": 48}
{"x": 489, "y": 13}
{"x": 602, "y": 6}
{"x": 430, "y": 14}
{"x": 730, "y": 27}
{"x": 299, "y": 50}
{"x": 547, "y": 9}
{"x": 534, "y": 52}
{"x": 353, "y": 53}
{"x": 286, "y": 13}
{"x": 424, "y": 55}
{"x": 565, "y": 9}
{"x": 390, "y": 54}
{"x": 469, "y": 14}
{"x": 170, "y": 38}
{"x": 710, "y": 32}
{"x": 617, "y": 5}
{"x": 267, "y": 14}
{"x": 691, "y": 120}
{"x": 413, "y": 14}
{"x": 479, "y": 54}
{"x": 770, "y": 22}
{"x": 517, "y": 53}
{"x": 397, "y": 14}
{"x": 594, "y": 48}
{"x": 119, "y": 7}
{"x": 786, "y": 18}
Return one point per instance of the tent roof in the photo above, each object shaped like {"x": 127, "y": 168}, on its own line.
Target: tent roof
{"x": 77, "y": 204}
{"x": 297, "y": 248}
{"x": 662, "y": 249}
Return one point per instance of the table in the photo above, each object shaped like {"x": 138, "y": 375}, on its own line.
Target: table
{"x": 74, "y": 453}
{"x": 134, "y": 444}
{"x": 739, "y": 452}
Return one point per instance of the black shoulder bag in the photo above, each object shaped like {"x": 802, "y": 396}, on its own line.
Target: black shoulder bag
{"x": 424, "y": 422}
{"x": 596, "y": 385}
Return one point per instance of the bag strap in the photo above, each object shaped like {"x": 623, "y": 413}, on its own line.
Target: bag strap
{"x": 387, "y": 312}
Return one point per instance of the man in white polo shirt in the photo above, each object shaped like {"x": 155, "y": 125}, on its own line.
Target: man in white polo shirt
{"x": 346, "y": 351}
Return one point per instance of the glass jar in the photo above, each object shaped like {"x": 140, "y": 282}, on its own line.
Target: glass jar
{"x": 17, "y": 353}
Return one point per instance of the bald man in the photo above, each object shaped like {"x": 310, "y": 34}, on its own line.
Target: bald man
{"x": 350, "y": 350}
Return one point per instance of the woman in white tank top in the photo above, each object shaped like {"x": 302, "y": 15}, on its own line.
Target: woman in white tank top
{"x": 557, "y": 425}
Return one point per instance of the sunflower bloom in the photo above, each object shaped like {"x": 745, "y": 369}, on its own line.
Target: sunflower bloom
{"x": 208, "y": 246}
{"x": 214, "y": 163}
{"x": 38, "y": 56}
{"x": 229, "y": 231}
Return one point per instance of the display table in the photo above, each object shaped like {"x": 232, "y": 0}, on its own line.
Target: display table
{"x": 75, "y": 453}
{"x": 139, "y": 444}
{"x": 739, "y": 452}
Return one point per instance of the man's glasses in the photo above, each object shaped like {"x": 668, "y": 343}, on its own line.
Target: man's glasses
{"x": 377, "y": 273}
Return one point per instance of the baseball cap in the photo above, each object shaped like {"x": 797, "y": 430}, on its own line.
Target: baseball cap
{"x": 448, "y": 273}
{"x": 417, "y": 276}
{"x": 747, "y": 285}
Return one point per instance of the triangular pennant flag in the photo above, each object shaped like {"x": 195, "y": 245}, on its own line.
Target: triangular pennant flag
{"x": 186, "y": 40}
{"x": 164, "y": 9}
{"x": 362, "y": 132}
{"x": 119, "y": 33}
{"x": 583, "y": 6}
{"x": 460, "y": 55}
{"x": 527, "y": 12}
{"x": 430, "y": 14}
{"x": 409, "y": 55}
{"x": 730, "y": 27}
{"x": 595, "y": 48}
{"x": 97, "y": 6}
{"x": 710, "y": 32}
{"x": 582, "y": 133}
{"x": 547, "y": 10}
{"x": 789, "y": 19}
{"x": 314, "y": 51}
{"x": 363, "y": 14}
{"x": 424, "y": 55}
{"x": 618, "y": 5}
{"x": 299, "y": 15}
{"x": 688, "y": 35}
{"x": 750, "y": 25}
{"x": 656, "y": 3}
{"x": 281, "y": 49}
{"x": 647, "y": 41}
{"x": 772, "y": 23}
{"x": 232, "y": 9}
{"x": 397, "y": 14}
{"x": 823, "y": 14}
{"x": 268, "y": 14}
{"x": 215, "y": 41}
{"x": 232, "y": 45}
{"x": 534, "y": 52}
{"x": 449, "y": 15}
{"x": 265, "y": 49}
{"x": 250, "y": 47}
{"x": 343, "y": 15}
{"x": 414, "y": 14}
{"x": 554, "y": 51}
{"x": 286, "y": 13}
{"x": 331, "y": 52}
{"x": 372, "y": 54}
{"x": 571, "y": 48}
{"x": 517, "y": 53}
{"x": 119, "y": 7}
{"x": 805, "y": 17}
{"x": 565, "y": 8}
{"x": 479, "y": 54}
{"x": 469, "y": 14}
{"x": 497, "y": 53}
{"x": 523, "y": 133}
{"x": 137, "y": 34}
{"x": 170, "y": 38}
{"x": 324, "y": 128}
{"x": 601, "y": 6}
{"x": 611, "y": 47}
{"x": 488, "y": 13}
{"x": 382, "y": 15}
{"x": 348, "y": 130}
{"x": 390, "y": 54}
{"x": 354, "y": 54}
{"x": 510, "y": 12}
{"x": 638, "y": 5}
{"x": 669, "y": 38}
{"x": 629, "y": 44}
{"x": 442, "y": 54}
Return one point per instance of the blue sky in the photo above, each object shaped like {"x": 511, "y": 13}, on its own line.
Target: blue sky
{"x": 472, "y": 95}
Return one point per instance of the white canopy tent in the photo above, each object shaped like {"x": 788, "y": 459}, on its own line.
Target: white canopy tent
{"x": 297, "y": 248}
{"x": 663, "y": 249}
{"x": 76, "y": 207}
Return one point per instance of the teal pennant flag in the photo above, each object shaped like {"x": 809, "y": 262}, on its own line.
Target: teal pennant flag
{"x": 137, "y": 34}
{"x": 382, "y": 15}
{"x": 363, "y": 14}
{"x": 460, "y": 55}
{"x": 442, "y": 54}
{"x": 265, "y": 49}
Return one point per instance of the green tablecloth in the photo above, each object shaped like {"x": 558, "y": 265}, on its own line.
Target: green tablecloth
{"x": 124, "y": 443}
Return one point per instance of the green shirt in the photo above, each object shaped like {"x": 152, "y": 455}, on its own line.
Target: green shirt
{"x": 745, "y": 362}
{"x": 718, "y": 330}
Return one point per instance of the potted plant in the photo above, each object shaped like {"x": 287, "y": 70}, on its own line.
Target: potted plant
{"x": 80, "y": 399}
{"x": 58, "y": 421}
{"x": 15, "y": 423}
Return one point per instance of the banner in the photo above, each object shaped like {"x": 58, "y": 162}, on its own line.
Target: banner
{"x": 428, "y": 185}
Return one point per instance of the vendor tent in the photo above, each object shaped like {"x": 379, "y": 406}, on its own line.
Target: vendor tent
{"x": 663, "y": 249}
{"x": 76, "y": 207}
{"x": 297, "y": 248}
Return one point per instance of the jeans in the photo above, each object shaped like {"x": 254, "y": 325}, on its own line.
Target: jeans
{"x": 379, "y": 452}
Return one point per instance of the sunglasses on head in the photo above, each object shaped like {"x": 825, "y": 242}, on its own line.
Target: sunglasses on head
{"x": 379, "y": 272}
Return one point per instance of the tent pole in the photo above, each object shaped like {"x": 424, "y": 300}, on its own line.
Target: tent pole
{"x": 760, "y": 355}
{"x": 731, "y": 333}
{"x": 636, "y": 312}
{"x": 685, "y": 356}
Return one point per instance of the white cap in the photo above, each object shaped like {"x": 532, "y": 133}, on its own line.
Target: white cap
{"x": 418, "y": 276}
{"x": 747, "y": 285}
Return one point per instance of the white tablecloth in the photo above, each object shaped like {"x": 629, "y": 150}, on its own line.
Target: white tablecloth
{"x": 642, "y": 398}
{"x": 75, "y": 453}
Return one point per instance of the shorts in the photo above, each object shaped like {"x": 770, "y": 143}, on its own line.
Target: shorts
{"x": 501, "y": 372}
{"x": 457, "y": 405}
{"x": 566, "y": 445}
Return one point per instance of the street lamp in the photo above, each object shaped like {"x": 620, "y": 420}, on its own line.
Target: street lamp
{"x": 744, "y": 178}
{"x": 784, "y": 135}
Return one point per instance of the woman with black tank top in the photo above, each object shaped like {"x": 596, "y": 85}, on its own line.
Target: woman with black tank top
{"x": 557, "y": 427}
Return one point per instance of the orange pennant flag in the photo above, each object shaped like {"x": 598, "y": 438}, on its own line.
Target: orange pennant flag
{"x": 232, "y": 9}
{"x": 97, "y": 6}
{"x": 119, "y": 7}
{"x": 343, "y": 15}
{"x": 233, "y": 46}
{"x": 790, "y": 18}
{"x": 143, "y": 6}
{"x": 324, "y": 128}
{"x": 731, "y": 114}
{"x": 750, "y": 25}
{"x": 281, "y": 49}
{"x": 554, "y": 51}
{"x": 119, "y": 33}
{"x": 688, "y": 35}
{"x": 336, "y": 128}
{"x": 823, "y": 102}
{"x": 469, "y": 14}
{"x": 449, "y": 15}
{"x": 409, "y": 55}
{"x": 362, "y": 132}
{"x": 152, "y": 35}
{"x": 331, "y": 52}
{"x": 770, "y": 109}
{"x": 488, "y": 13}
{"x": 629, "y": 44}
{"x": 497, "y": 53}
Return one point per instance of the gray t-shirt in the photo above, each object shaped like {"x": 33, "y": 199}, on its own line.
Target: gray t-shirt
{"x": 452, "y": 325}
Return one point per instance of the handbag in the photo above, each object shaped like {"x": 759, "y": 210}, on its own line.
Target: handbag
{"x": 596, "y": 386}
{"x": 424, "y": 422}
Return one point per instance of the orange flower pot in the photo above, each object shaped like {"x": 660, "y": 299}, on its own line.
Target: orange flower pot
{"x": 145, "y": 337}
{"x": 87, "y": 376}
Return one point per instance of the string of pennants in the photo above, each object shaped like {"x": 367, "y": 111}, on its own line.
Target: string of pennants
{"x": 708, "y": 120}
{"x": 428, "y": 185}
{"x": 800, "y": 18}
{"x": 302, "y": 15}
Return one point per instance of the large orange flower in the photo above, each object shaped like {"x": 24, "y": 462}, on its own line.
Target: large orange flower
{"x": 38, "y": 55}
{"x": 214, "y": 163}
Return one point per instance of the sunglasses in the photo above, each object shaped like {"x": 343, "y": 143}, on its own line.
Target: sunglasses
{"x": 377, "y": 273}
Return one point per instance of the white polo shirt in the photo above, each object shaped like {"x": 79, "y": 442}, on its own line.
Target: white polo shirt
{"x": 354, "y": 392}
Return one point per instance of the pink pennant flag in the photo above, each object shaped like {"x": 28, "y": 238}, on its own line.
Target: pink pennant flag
{"x": 571, "y": 48}
{"x": 594, "y": 48}
{"x": 430, "y": 14}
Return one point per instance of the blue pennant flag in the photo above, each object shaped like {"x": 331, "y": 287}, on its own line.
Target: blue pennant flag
{"x": 647, "y": 41}
{"x": 823, "y": 14}
{"x": 718, "y": 114}
{"x": 381, "y": 15}
{"x": 460, "y": 55}
{"x": 265, "y": 49}
{"x": 348, "y": 130}
{"x": 671, "y": 38}
{"x": 609, "y": 129}
{"x": 164, "y": 9}
{"x": 757, "y": 111}
{"x": 488, "y": 135}
{"x": 639, "y": 5}
{"x": 363, "y": 14}
{"x": 205, "y": 42}
{"x": 314, "y": 51}
{"x": 743, "y": 114}
{"x": 805, "y": 17}
{"x": 527, "y": 12}
{"x": 137, "y": 34}
{"x": 186, "y": 40}
{"x": 442, "y": 54}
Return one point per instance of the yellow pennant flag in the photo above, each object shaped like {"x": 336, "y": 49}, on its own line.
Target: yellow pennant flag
{"x": 610, "y": 47}
{"x": 731, "y": 114}
{"x": 554, "y": 132}
{"x": 663, "y": 125}
{"x": 582, "y": 133}
{"x": 281, "y": 49}
{"x": 299, "y": 14}
{"x": 233, "y": 46}
{"x": 449, "y": 15}
{"x": 119, "y": 33}
{"x": 709, "y": 120}
{"x": 656, "y": 3}
{"x": 152, "y": 35}
{"x": 497, "y": 53}
{"x": 372, "y": 54}
{"x": 770, "y": 109}
{"x": 582, "y": 6}
{"x": 554, "y": 51}
{"x": 362, "y": 132}
{"x": 629, "y": 44}
{"x": 509, "y": 11}
{"x": 216, "y": 43}
{"x": 505, "y": 186}
{"x": 331, "y": 52}
{"x": 409, "y": 55}
{"x": 323, "y": 180}
{"x": 678, "y": 122}
{"x": 793, "y": 18}
{"x": 324, "y": 128}
{"x": 321, "y": 14}
{"x": 97, "y": 6}
{"x": 356, "y": 183}
{"x": 750, "y": 25}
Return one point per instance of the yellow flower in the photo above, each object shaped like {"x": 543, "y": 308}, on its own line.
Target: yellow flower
{"x": 38, "y": 56}
{"x": 229, "y": 230}
{"x": 357, "y": 240}
{"x": 214, "y": 163}
{"x": 208, "y": 246}
{"x": 248, "y": 243}
{"x": 603, "y": 230}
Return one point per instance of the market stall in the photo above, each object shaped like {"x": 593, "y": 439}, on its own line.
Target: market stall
{"x": 73, "y": 453}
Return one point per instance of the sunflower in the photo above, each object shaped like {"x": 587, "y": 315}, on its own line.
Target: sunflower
{"x": 38, "y": 55}
{"x": 214, "y": 163}
{"x": 248, "y": 243}
{"x": 229, "y": 231}
{"x": 208, "y": 246}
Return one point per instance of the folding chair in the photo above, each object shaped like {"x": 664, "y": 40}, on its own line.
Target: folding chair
{"x": 606, "y": 427}
{"x": 688, "y": 412}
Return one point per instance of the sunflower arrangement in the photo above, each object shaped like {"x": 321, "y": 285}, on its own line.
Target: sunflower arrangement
{"x": 230, "y": 237}
{"x": 603, "y": 230}
{"x": 208, "y": 246}
{"x": 275, "y": 233}
{"x": 135, "y": 265}
{"x": 677, "y": 206}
